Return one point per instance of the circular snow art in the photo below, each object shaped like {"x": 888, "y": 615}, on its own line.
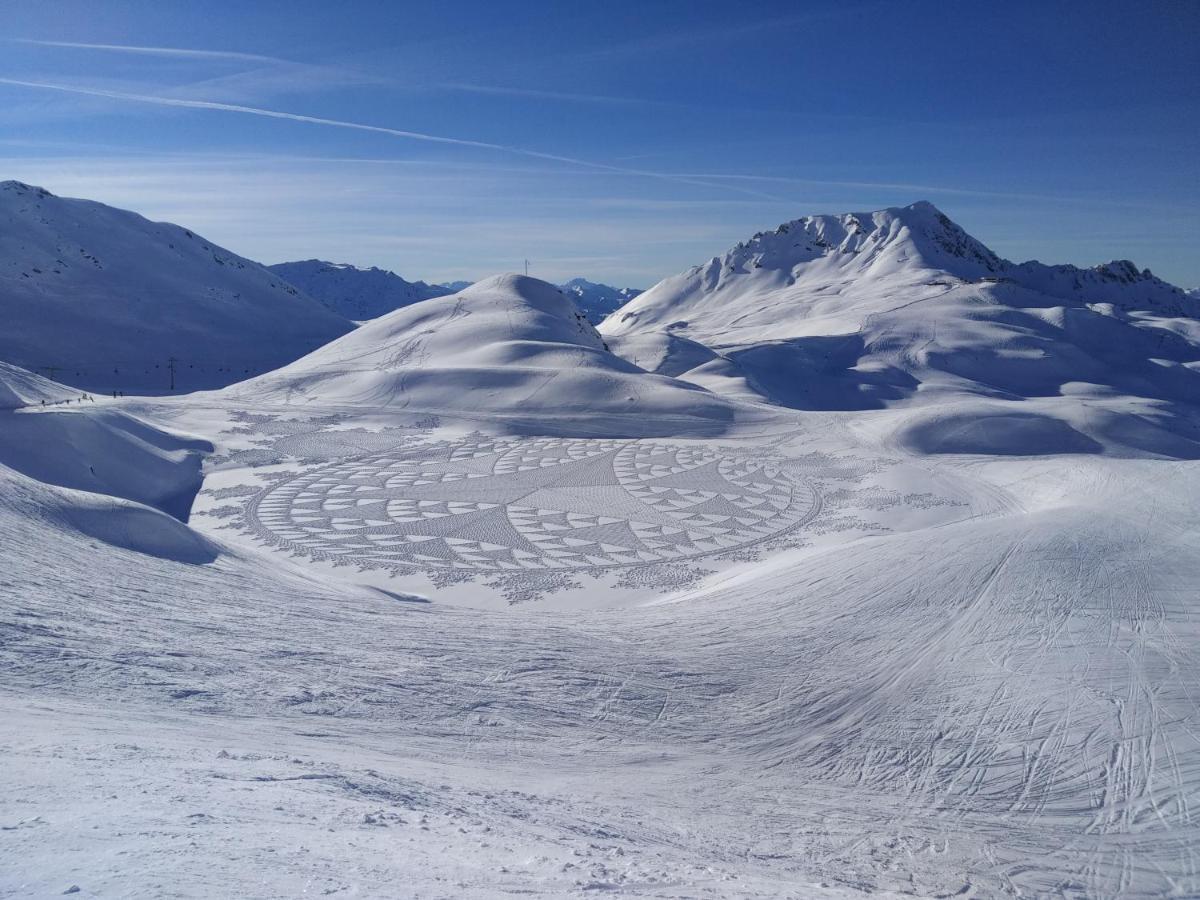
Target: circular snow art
{"x": 516, "y": 505}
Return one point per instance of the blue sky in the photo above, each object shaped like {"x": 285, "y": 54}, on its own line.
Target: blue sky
{"x": 621, "y": 141}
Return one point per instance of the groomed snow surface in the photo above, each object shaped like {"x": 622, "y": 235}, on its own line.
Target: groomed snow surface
{"x": 749, "y": 594}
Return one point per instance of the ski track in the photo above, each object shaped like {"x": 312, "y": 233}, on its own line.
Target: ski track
{"x": 1001, "y": 704}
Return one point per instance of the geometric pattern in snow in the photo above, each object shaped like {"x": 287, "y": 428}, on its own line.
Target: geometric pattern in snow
{"x": 531, "y": 505}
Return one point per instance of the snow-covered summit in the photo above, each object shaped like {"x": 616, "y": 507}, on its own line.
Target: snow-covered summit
{"x": 868, "y": 310}
{"x": 355, "y": 292}
{"x": 509, "y": 346}
{"x": 919, "y": 235}
{"x": 105, "y": 299}
{"x": 833, "y": 271}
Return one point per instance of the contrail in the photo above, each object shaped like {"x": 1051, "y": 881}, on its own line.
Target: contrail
{"x": 714, "y": 180}
{"x": 156, "y": 51}
{"x": 377, "y": 129}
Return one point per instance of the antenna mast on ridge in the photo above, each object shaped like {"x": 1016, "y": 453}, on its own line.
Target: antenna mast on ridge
{"x": 526, "y": 267}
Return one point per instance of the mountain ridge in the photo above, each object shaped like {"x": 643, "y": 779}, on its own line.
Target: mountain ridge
{"x": 110, "y": 300}
{"x": 903, "y": 307}
{"x": 898, "y": 243}
{"x": 354, "y": 292}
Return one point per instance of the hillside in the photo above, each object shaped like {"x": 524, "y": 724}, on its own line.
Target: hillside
{"x": 509, "y": 346}
{"x": 105, "y": 300}
{"x": 20, "y": 388}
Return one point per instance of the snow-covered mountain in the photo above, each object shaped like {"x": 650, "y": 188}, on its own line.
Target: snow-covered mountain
{"x": 353, "y": 292}
{"x": 508, "y": 346}
{"x": 105, "y": 300}
{"x": 597, "y": 301}
{"x": 870, "y": 310}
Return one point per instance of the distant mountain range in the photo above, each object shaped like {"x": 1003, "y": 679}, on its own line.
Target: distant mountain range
{"x": 362, "y": 294}
{"x": 597, "y": 301}
{"x": 356, "y": 293}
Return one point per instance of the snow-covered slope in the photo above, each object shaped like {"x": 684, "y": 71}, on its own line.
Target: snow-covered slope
{"x": 355, "y": 293}
{"x": 989, "y": 693}
{"x": 870, "y": 310}
{"x": 508, "y": 346}
{"x": 828, "y": 274}
{"x": 596, "y": 301}
{"x": 824, "y": 655}
{"x": 19, "y": 388}
{"x": 107, "y": 300}
{"x": 92, "y": 446}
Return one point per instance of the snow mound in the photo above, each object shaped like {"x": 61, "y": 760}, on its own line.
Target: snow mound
{"x": 355, "y": 293}
{"x": 128, "y": 525}
{"x": 104, "y": 474}
{"x": 112, "y": 301}
{"x": 105, "y": 451}
{"x": 509, "y": 346}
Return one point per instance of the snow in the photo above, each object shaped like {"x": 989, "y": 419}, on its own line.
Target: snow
{"x": 104, "y": 299}
{"x": 20, "y": 388}
{"x": 902, "y": 308}
{"x": 510, "y": 346}
{"x": 900, "y": 602}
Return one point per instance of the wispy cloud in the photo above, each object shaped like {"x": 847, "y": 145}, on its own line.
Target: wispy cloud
{"x": 536, "y": 94}
{"x": 178, "y": 52}
{"x": 435, "y": 221}
{"x": 380, "y": 129}
{"x": 293, "y": 117}
{"x": 737, "y": 183}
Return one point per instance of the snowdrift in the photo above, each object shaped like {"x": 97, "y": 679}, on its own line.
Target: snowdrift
{"x": 901, "y": 307}
{"x": 115, "y": 521}
{"x": 88, "y": 447}
{"x": 105, "y": 451}
{"x": 108, "y": 300}
{"x": 19, "y": 388}
{"x": 511, "y": 347}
